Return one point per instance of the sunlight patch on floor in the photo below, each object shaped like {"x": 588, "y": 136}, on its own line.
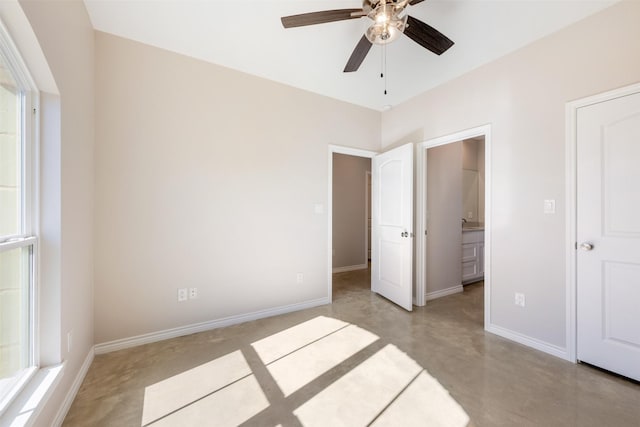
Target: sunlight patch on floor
{"x": 424, "y": 399}
{"x": 279, "y": 345}
{"x": 230, "y": 406}
{"x": 180, "y": 390}
{"x": 387, "y": 389}
{"x": 361, "y": 394}
{"x": 305, "y": 365}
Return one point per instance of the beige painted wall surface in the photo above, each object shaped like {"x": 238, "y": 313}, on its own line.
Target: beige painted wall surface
{"x": 523, "y": 97}
{"x": 66, "y": 37}
{"x": 208, "y": 178}
{"x": 444, "y": 227}
{"x": 349, "y": 209}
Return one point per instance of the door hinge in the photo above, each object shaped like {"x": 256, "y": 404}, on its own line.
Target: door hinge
{"x": 575, "y": 245}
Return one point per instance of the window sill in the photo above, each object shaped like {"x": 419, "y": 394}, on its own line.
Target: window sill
{"x": 27, "y": 405}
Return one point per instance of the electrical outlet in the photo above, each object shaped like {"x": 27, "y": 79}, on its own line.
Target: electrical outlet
{"x": 299, "y": 278}
{"x": 69, "y": 341}
{"x": 519, "y": 299}
{"x": 182, "y": 294}
{"x": 193, "y": 293}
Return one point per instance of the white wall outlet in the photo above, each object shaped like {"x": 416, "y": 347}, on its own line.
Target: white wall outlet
{"x": 470, "y": 215}
{"x": 318, "y": 208}
{"x": 299, "y": 278}
{"x": 193, "y": 293}
{"x": 69, "y": 341}
{"x": 519, "y": 299}
{"x": 182, "y": 294}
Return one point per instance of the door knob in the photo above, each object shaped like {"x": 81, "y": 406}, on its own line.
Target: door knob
{"x": 586, "y": 246}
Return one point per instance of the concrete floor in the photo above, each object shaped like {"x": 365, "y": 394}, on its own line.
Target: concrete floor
{"x": 495, "y": 381}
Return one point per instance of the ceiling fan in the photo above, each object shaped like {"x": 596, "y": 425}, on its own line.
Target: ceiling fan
{"x": 387, "y": 27}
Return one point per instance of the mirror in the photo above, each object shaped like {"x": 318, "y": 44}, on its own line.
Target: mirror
{"x": 470, "y": 185}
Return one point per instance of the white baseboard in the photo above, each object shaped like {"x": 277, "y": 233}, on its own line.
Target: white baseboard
{"x": 443, "y": 292}
{"x": 121, "y": 344}
{"x": 350, "y": 268}
{"x": 71, "y": 394}
{"x": 545, "y": 347}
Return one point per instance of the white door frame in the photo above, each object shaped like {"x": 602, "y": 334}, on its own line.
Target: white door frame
{"x": 571, "y": 207}
{"x": 367, "y": 195}
{"x": 421, "y": 201}
{"x": 351, "y": 152}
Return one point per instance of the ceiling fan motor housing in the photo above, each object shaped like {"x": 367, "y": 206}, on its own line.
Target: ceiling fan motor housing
{"x": 387, "y": 25}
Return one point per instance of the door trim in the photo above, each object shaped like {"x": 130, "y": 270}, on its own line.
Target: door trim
{"x": 571, "y": 144}
{"x": 367, "y": 196}
{"x": 421, "y": 247}
{"x": 338, "y": 149}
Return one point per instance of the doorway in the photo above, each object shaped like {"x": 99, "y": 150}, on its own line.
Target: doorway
{"x": 392, "y": 222}
{"x": 351, "y": 195}
{"x": 348, "y": 241}
{"x": 468, "y": 260}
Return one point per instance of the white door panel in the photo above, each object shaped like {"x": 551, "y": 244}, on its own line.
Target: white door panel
{"x": 608, "y": 207}
{"x": 392, "y": 225}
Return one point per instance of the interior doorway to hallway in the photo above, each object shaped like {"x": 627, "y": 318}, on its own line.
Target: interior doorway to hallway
{"x": 349, "y": 242}
{"x": 351, "y": 211}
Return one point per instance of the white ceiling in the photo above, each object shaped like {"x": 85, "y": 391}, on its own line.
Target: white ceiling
{"x": 247, "y": 35}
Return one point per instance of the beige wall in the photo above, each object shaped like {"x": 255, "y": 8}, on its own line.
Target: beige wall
{"x": 523, "y": 97}
{"x": 66, "y": 38}
{"x": 444, "y": 228}
{"x": 208, "y": 178}
{"x": 349, "y": 210}
{"x": 470, "y": 154}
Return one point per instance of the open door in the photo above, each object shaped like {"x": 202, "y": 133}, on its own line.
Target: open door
{"x": 392, "y": 225}
{"x": 608, "y": 235}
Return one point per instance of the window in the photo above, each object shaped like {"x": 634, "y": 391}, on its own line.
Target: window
{"x": 18, "y": 243}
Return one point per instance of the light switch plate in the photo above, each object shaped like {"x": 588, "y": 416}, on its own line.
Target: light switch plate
{"x": 550, "y": 206}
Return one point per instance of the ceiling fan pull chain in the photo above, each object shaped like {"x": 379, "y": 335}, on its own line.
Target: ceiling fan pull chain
{"x": 382, "y": 62}
{"x": 384, "y": 50}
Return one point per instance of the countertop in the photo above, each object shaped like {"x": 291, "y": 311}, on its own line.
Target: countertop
{"x": 473, "y": 226}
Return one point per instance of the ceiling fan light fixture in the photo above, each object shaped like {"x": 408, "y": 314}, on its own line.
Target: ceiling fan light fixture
{"x": 386, "y": 31}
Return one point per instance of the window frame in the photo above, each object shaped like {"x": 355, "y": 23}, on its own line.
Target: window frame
{"x": 28, "y": 234}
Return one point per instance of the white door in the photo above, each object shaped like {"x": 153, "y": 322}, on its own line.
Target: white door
{"x": 392, "y": 228}
{"x": 608, "y": 233}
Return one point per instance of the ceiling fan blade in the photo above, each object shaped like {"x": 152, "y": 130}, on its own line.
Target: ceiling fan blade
{"x": 412, "y": 2}
{"x": 321, "y": 17}
{"x": 358, "y": 55}
{"x": 427, "y": 36}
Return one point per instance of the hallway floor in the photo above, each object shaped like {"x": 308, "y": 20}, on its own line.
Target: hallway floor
{"x": 269, "y": 380}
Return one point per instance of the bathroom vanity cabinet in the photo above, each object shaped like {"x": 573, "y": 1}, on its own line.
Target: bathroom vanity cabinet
{"x": 472, "y": 255}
